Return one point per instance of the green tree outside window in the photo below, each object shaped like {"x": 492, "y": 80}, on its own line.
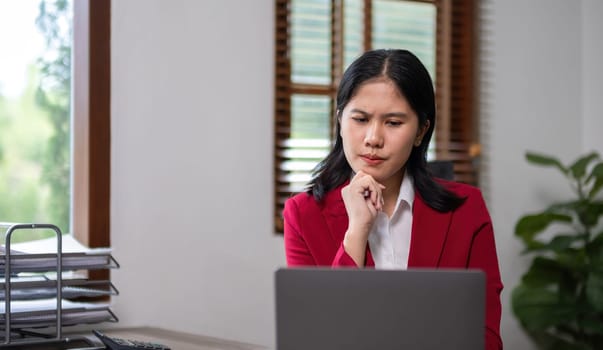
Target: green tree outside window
{"x": 35, "y": 125}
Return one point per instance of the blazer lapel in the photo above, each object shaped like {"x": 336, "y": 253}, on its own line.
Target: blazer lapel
{"x": 429, "y": 230}
{"x": 335, "y": 215}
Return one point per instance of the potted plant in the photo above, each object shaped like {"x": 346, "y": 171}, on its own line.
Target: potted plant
{"x": 559, "y": 300}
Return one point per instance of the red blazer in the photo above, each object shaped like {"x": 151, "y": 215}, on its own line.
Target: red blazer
{"x": 460, "y": 239}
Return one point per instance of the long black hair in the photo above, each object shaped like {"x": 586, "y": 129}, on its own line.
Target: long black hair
{"x": 411, "y": 78}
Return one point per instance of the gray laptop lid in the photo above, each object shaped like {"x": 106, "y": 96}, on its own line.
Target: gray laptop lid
{"x": 360, "y": 309}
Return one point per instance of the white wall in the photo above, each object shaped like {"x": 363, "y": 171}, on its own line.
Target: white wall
{"x": 541, "y": 100}
{"x": 592, "y": 75}
{"x": 192, "y": 150}
{"x": 191, "y": 166}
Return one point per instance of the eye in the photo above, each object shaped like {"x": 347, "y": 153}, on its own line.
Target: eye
{"x": 393, "y": 122}
{"x": 360, "y": 119}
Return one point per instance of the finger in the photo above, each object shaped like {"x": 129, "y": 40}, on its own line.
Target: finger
{"x": 379, "y": 201}
{"x": 369, "y": 188}
{"x": 375, "y": 194}
{"x": 377, "y": 191}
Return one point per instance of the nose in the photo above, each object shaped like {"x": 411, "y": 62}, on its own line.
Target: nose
{"x": 373, "y": 137}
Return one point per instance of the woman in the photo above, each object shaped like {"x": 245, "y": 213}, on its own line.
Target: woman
{"x": 372, "y": 202}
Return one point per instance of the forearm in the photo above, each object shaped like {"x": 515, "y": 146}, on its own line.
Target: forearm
{"x": 354, "y": 244}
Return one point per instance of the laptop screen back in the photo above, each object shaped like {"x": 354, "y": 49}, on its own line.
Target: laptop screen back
{"x": 359, "y": 309}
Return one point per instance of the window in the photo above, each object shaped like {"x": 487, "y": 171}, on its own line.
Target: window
{"x": 90, "y": 144}
{"x": 35, "y": 123}
{"x": 316, "y": 39}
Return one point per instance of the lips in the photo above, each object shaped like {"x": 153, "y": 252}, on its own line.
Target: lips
{"x": 372, "y": 159}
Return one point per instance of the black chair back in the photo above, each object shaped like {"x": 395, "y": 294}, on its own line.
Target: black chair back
{"x": 443, "y": 169}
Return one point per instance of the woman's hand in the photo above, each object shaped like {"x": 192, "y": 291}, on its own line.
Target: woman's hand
{"x": 363, "y": 199}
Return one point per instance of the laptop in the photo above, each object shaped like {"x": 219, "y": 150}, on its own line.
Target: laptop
{"x": 360, "y": 309}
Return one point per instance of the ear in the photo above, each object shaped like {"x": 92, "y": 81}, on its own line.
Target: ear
{"x": 421, "y": 133}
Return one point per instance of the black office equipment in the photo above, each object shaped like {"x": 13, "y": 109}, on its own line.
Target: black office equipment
{"x": 443, "y": 169}
{"x": 114, "y": 343}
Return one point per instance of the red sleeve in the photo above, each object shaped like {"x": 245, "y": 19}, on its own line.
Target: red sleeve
{"x": 473, "y": 216}
{"x": 296, "y": 250}
{"x": 343, "y": 259}
{"x": 483, "y": 256}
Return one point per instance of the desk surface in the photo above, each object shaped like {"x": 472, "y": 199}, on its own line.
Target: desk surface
{"x": 84, "y": 339}
{"x": 177, "y": 340}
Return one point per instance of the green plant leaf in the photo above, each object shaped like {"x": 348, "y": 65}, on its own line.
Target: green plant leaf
{"x": 594, "y": 289}
{"x": 590, "y": 212}
{"x": 575, "y": 260}
{"x": 534, "y": 246}
{"x": 540, "y": 159}
{"x": 530, "y": 225}
{"x": 578, "y": 169}
{"x": 543, "y": 272}
{"x": 564, "y": 207}
{"x": 562, "y": 344}
{"x": 591, "y": 324}
{"x": 551, "y": 341}
{"x": 594, "y": 249}
{"x": 560, "y": 298}
{"x": 562, "y": 242}
{"x": 597, "y": 174}
{"x": 539, "y": 308}
{"x": 568, "y": 287}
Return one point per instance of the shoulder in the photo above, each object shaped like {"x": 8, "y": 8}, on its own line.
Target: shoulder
{"x": 300, "y": 205}
{"x": 460, "y": 189}
{"x": 474, "y": 199}
{"x": 306, "y": 203}
{"x": 300, "y": 201}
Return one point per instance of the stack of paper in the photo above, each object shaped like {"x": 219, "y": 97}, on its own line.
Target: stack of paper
{"x": 40, "y": 256}
{"x": 42, "y": 313}
{"x": 39, "y": 287}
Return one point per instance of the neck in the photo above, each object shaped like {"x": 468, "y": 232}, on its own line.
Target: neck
{"x": 391, "y": 192}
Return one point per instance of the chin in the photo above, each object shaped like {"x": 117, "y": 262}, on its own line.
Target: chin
{"x": 377, "y": 175}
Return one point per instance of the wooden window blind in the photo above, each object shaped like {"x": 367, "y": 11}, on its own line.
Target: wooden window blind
{"x": 316, "y": 39}
{"x": 456, "y": 134}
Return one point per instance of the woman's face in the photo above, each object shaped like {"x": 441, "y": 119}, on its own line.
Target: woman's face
{"x": 379, "y": 130}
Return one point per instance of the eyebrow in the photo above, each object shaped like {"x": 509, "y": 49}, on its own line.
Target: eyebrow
{"x": 386, "y": 115}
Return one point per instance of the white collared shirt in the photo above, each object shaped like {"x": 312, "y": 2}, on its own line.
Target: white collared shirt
{"x": 389, "y": 240}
